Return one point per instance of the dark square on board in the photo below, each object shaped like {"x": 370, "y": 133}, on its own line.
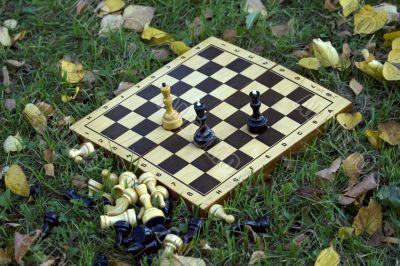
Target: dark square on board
{"x": 238, "y": 159}
{"x": 208, "y": 85}
{"x": 114, "y": 131}
{"x": 301, "y": 114}
{"x": 237, "y": 119}
{"x": 204, "y": 184}
{"x": 180, "y": 88}
{"x": 269, "y": 79}
{"x": 147, "y": 109}
{"x": 149, "y": 92}
{"x": 209, "y": 68}
{"x": 205, "y": 162}
{"x": 270, "y": 137}
{"x": 238, "y": 99}
{"x": 211, "y": 52}
{"x": 238, "y": 82}
{"x": 212, "y": 120}
{"x": 173, "y": 164}
{"x": 117, "y": 113}
{"x": 238, "y": 138}
{"x": 300, "y": 95}
{"x": 145, "y": 127}
{"x": 180, "y": 72}
{"x": 270, "y": 97}
{"x": 142, "y": 146}
{"x": 174, "y": 143}
{"x": 272, "y": 116}
{"x": 238, "y": 65}
{"x": 210, "y": 101}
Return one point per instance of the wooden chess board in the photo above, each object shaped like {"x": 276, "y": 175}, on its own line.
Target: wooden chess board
{"x": 221, "y": 75}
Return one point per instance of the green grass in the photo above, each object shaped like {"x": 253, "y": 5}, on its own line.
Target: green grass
{"x": 53, "y": 30}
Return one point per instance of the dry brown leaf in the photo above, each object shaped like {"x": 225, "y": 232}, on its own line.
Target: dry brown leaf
{"x": 48, "y": 155}
{"x": 5, "y": 256}
{"x": 297, "y": 241}
{"x": 123, "y": 86}
{"x": 355, "y": 86}
{"x": 345, "y": 56}
{"x": 373, "y": 138}
{"x": 258, "y": 50}
{"x": 46, "y": 108}
{"x": 257, "y": 256}
{"x": 344, "y": 34}
{"x": 80, "y": 6}
{"x": 6, "y": 76}
{"x": 49, "y": 169}
{"x": 66, "y": 121}
{"x": 10, "y": 104}
{"x": 229, "y": 35}
{"x": 196, "y": 27}
{"x": 345, "y": 200}
{"x": 251, "y": 234}
{"x": 79, "y": 181}
{"x": 22, "y": 243}
{"x": 160, "y": 54}
{"x": 301, "y": 53}
{"x": 328, "y": 173}
{"x": 352, "y": 167}
{"x": 367, "y": 183}
{"x": 328, "y": 5}
{"x": 391, "y": 240}
{"x": 388, "y": 229}
{"x": 14, "y": 63}
{"x": 137, "y": 16}
{"x": 110, "y": 23}
{"x": 376, "y": 239}
{"x": 280, "y": 30}
{"x": 390, "y": 132}
{"x": 368, "y": 219}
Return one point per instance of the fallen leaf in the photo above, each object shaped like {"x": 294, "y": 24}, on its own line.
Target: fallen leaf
{"x": 49, "y": 262}
{"x": 252, "y": 6}
{"x": 196, "y": 27}
{"x": 123, "y": 86}
{"x": 136, "y": 17}
{"x": 391, "y": 240}
{"x": 251, "y": 19}
{"x": 373, "y": 138}
{"x": 325, "y": 53}
{"x": 13, "y": 144}
{"x": 48, "y": 155}
{"x": 396, "y": 44}
{"x": 328, "y": 257}
{"x": 19, "y": 36}
{"x": 46, "y": 109}
{"x": 329, "y": 172}
{"x": 367, "y": 184}
{"x": 155, "y": 36}
{"x": 5, "y": 256}
{"x": 394, "y": 55}
{"x": 10, "y": 23}
{"x": 343, "y": 200}
{"x": 344, "y": 61}
{"x": 66, "y": 121}
{"x": 109, "y": 6}
{"x": 79, "y": 181}
{"x": 22, "y": 243}
{"x": 257, "y": 256}
{"x": 391, "y": 72}
{"x": 160, "y": 54}
{"x": 376, "y": 239}
{"x": 352, "y": 167}
{"x": 66, "y": 98}
{"x": 345, "y": 232}
{"x": 179, "y": 47}
{"x": 6, "y": 76}
{"x": 110, "y": 23}
{"x": 80, "y": 6}
{"x": 355, "y": 86}
{"x": 390, "y": 196}
{"x": 310, "y": 63}
{"x": 388, "y": 229}
{"x": 251, "y": 234}
{"x": 368, "y": 219}
{"x": 390, "y": 132}
{"x": 36, "y": 118}
{"x": 4, "y": 171}
{"x": 301, "y": 53}
{"x": 14, "y": 63}
{"x": 345, "y": 34}
{"x": 373, "y": 68}
{"x": 348, "y": 6}
{"x": 49, "y": 169}
{"x": 72, "y": 71}
{"x": 177, "y": 260}
{"x": 328, "y": 5}
{"x": 5, "y": 38}
{"x": 10, "y": 104}
{"x": 297, "y": 241}
{"x": 15, "y": 180}
{"x": 349, "y": 120}
{"x": 280, "y": 30}
{"x": 229, "y": 35}
{"x": 368, "y": 20}
{"x": 393, "y": 15}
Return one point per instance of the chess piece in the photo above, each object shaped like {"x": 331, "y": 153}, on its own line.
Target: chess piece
{"x": 152, "y": 216}
{"x": 109, "y": 177}
{"x": 50, "y": 221}
{"x": 194, "y": 227}
{"x": 171, "y": 119}
{"x": 84, "y": 151}
{"x": 161, "y": 232}
{"x": 122, "y": 228}
{"x": 204, "y": 136}
{"x": 256, "y": 123}
{"x": 34, "y": 191}
{"x": 157, "y": 193}
{"x": 100, "y": 261}
{"x": 167, "y": 210}
{"x": 128, "y": 216}
{"x": 125, "y": 180}
{"x": 122, "y": 203}
{"x": 172, "y": 244}
{"x": 149, "y": 248}
{"x": 217, "y": 211}
{"x": 93, "y": 187}
{"x": 140, "y": 214}
{"x": 71, "y": 194}
{"x": 259, "y": 225}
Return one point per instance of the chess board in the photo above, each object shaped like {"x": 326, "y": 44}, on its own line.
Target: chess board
{"x": 221, "y": 75}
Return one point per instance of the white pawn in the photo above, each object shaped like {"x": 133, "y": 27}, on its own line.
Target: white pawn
{"x": 218, "y": 212}
{"x": 84, "y": 151}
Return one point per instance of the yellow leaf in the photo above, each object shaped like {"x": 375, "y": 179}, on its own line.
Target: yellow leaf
{"x": 396, "y": 43}
{"x": 325, "y": 53}
{"x": 349, "y": 120}
{"x": 391, "y": 72}
{"x": 349, "y": 6}
{"x": 35, "y": 117}
{"x": 154, "y": 35}
{"x": 5, "y": 38}
{"x": 352, "y": 167}
{"x": 345, "y": 232}
{"x": 73, "y": 72}
{"x": 355, "y": 86}
{"x": 373, "y": 138}
{"x": 328, "y": 257}
{"x": 390, "y": 132}
{"x": 394, "y": 56}
{"x": 368, "y": 20}
{"x": 368, "y": 219}
{"x": 310, "y": 63}
{"x": 373, "y": 68}
{"x": 66, "y": 98}
{"x": 367, "y": 55}
{"x": 179, "y": 47}
{"x": 110, "y": 6}
{"x": 13, "y": 143}
{"x": 19, "y": 36}
{"x": 390, "y": 36}
{"x": 15, "y": 181}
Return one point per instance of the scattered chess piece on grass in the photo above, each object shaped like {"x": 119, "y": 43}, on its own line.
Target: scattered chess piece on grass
{"x": 218, "y": 211}
{"x": 50, "y": 221}
{"x": 71, "y": 194}
{"x": 93, "y": 187}
{"x": 108, "y": 176}
{"x": 100, "y": 261}
{"x": 128, "y": 216}
{"x": 194, "y": 227}
{"x": 259, "y": 225}
{"x": 34, "y": 191}
{"x": 122, "y": 228}
{"x": 152, "y": 216}
{"x": 141, "y": 234}
{"x": 125, "y": 180}
{"x": 128, "y": 197}
{"x": 157, "y": 193}
{"x": 167, "y": 209}
{"x": 172, "y": 244}
{"x": 84, "y": 151}
{"x": 171, "y": 119}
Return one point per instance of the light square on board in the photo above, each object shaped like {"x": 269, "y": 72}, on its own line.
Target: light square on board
{"x": 223, "y": 110}
{"x": 223, "y": 130}
{"x": 159, "y": 134}
{"x": 223, "y": 92}
{"x": 128, "y": 138}
{"x": 254, "y": 148}
{"x": 254, "y": 85}
{"x": 285, "y": 86}
{"x": 285, "y": 106}
{"x": 192, "y": 95}
{"x": 131, "y": 120}
{"x": 224, "y": 59}
{"x": 133, "y": 102}
{"x": 316, "y": 104}
{"x": 188, "y": 131}
{"x": 221, "y": 171}
{"x": 221, "y": 150}
{"x": 286, "y": 125}
{"x": 194, "y": 78}
{"x": 253, "y": 71}
{"x": 224, "y": 74}
{"x": 190, "y": 152}
{"x": 100, "y": 124}
{"x": 158, "y": 155}
{"x": 196, "y": 62}
{"x": 188, "y": 174}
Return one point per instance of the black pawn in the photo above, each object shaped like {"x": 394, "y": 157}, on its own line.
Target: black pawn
{"x": 256, "y": 123}
{"x": 204, "y": 136}
{"x": 168, "y": 211}
{"x": 161, "y": 232}
{"x": 140, "y": 235}
{"x": 122, "y": 228}
{"x": 50, "y": 221}
{"x": 100, "y": 261}
{"x": 71, "y": 194}
{"x": 34, "y": 191}
{"x": 194, "y": 227}
{"x": 259, "y": 225}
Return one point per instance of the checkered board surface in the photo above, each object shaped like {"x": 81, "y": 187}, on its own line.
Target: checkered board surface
{"x": 221, "y": 75}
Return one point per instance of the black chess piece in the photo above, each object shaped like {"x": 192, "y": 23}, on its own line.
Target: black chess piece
{"x": 34, "y": 191}
{"x": 256, "y": 123}
{"x": 204, "y": 136}
{"x": 259, "y": 225}
{"x": 160, "y": 232}
{"x": 100, "y": 261}
{"x": 141, "y": 234}
{"x": 167, "y": 211}
{"x": 50, "y": 221}
{"x": 122, "y": 228}
{"x": 194, "y": 227}
{"x": 71, "y": 194}
{"x": 149, "y": 248}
